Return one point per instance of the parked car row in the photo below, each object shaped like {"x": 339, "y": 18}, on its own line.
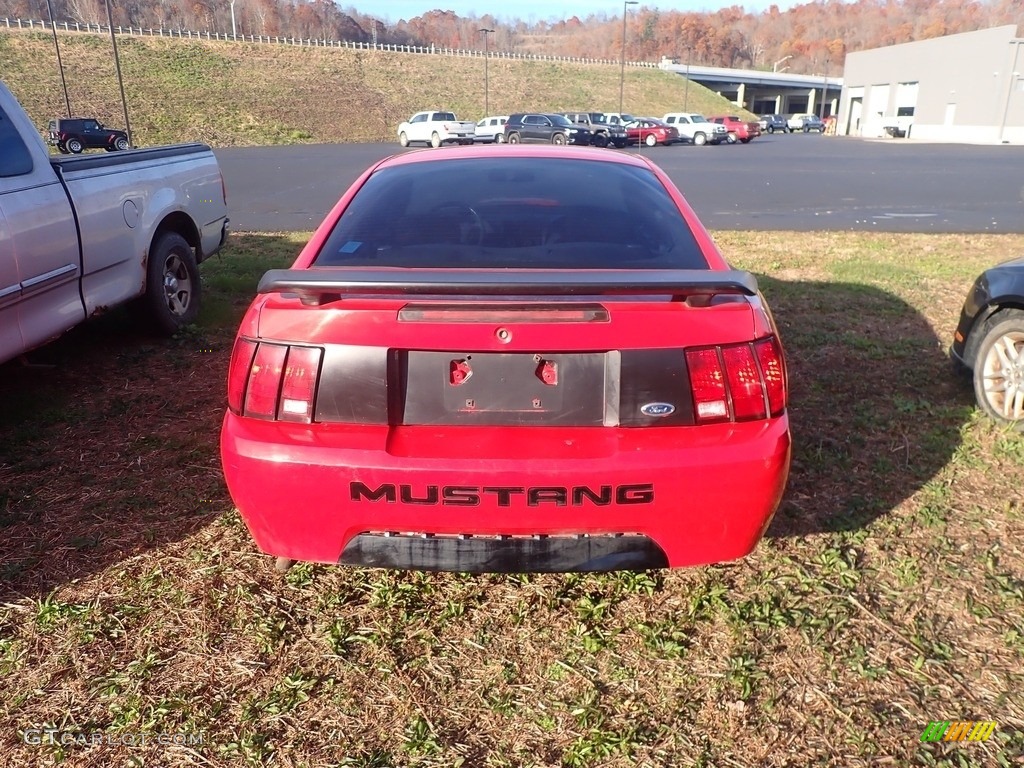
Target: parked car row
{"x": 600, "y": 129}
{"x": 804, "y": 122}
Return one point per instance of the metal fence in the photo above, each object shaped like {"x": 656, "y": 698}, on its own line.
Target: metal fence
{"x": 188, "y": 34}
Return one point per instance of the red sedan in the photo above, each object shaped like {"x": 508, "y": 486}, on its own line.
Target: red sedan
{"x": 474, "y": 366}
{"x": 652, "y": 132}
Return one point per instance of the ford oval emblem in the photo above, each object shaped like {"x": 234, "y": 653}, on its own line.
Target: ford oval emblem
{"x": 657, "y": 409}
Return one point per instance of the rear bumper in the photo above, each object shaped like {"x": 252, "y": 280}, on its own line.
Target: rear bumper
{"x": 528, "y": 499}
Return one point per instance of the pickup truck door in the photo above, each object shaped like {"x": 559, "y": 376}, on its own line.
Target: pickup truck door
{"x": 418, "y": 127}
{"x": 10, "y": 292}
{"x": 38, "y": 244}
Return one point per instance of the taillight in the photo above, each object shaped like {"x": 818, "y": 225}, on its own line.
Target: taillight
{"x": 745, "y": 383}
{"x": 773, "y": 369}
{"x": 737, "y": 382}
{"x": 710, "y": 401}
{"x": 238, "y": 372}
{"x": 273, "y": 381}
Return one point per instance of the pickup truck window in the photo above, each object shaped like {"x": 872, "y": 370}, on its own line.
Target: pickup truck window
{"x": 448, "y": 116}
{"x": 15, "y": 159}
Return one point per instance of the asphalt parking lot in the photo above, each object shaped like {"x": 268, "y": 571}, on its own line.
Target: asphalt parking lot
{"x": 792, "y": 182}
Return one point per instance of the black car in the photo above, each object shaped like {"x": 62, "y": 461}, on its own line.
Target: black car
{"x": 604, "y": 133}
{"x": 75, "y": 134}
{"x": 989, "y": 341}
{"x": 545, "y": 128}
{"x": 773, "y": 123}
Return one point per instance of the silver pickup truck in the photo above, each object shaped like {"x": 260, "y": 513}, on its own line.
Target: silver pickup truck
{"x": 80, "y": 235}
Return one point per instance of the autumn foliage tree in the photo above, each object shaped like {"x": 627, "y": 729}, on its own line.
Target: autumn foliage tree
{"x": 815, "y": 36}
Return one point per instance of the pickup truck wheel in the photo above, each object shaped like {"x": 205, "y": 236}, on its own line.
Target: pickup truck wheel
{"x": 403, "y": 139}
{"x": 651, "y": 140}
{"x": 513, "y": 138}
{"x": 435, "y": 140}
{"x": 172, "y": 283}
{"x": 699, "y": 139}
{"x": 74, "y": 146}
{"x": 999, "y": 368}
{"x": 558, "y": 138}
{"x": 121, "y": 144}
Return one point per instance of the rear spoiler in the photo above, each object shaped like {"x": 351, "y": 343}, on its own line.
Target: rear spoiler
{"x": 319, "y": 286}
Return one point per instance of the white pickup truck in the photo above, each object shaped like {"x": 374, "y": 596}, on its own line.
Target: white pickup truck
{"x": 697, "y": 128}
{"x": 435, "y": 129}
{"x": 80, "y": 235}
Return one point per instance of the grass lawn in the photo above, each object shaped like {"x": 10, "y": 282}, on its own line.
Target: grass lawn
{"x": 889, "y": 591}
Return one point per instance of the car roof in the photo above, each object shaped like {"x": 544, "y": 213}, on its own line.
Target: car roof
{"x": 593, "y": 154}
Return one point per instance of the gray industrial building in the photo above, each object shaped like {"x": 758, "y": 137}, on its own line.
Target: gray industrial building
{"x": 960, "y": 88}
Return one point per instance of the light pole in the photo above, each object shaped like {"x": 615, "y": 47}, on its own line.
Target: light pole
{"x": 622, "y": 69}
{"x": 775, "y": 66}
{"x": 60, "y": 64}
{"x": 117, "y": 66}
{"x": 487, "y": 109}
{"x": 824, "y": 91}
{"x": 686, "y": 93}
{"x": 233, "y": 35}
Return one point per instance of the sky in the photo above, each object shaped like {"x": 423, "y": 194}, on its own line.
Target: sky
{"x": 547, "y": 10}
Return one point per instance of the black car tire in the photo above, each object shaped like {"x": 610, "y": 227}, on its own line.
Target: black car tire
{"x": 600, "y": 140}
{"x": 121, "y": 144}
{"x": 514, "y": 138}
{"x": 1005, "y": 329}
{"x": 559, "y": 139}
{"x": 74, "y": 146}
{"x": 771, "y": 129}
{"x": 171, "y": 300}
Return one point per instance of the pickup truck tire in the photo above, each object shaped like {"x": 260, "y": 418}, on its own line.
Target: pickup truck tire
{"x": 699, "y": 139}
{"x": 559, "y": 139}
{"x": 435, "y": 140}
{"x": 74, "y": 146}
{"x": 121, "y": 144}
{"x": 172, "y": 284}
{"x": 651, "y": 140}
{"x": 403, "y": 140}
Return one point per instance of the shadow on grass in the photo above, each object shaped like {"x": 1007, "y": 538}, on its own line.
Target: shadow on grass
{"x": 114, "y": 450}
{"x": 109, "y": 441}
{"x": 875, "y": 407}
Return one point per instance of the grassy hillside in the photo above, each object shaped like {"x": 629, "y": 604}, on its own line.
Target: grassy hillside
{"x": 244, "y": 93}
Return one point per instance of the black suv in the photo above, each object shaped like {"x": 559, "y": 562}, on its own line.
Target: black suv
{"x": 603, "y": 133}
{"x": 544, "y": 127}
{"x": 75, "y": 134}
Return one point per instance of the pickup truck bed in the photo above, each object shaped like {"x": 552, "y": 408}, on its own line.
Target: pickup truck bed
{"x": 80, "y": 235}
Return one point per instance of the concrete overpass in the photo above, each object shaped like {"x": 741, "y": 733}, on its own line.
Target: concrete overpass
{"x": 764, "y": 92}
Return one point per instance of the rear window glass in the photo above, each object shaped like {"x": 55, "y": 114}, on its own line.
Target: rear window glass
{"x": 533, "y": 213}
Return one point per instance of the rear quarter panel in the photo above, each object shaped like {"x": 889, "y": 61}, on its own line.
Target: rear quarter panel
{"x": 122, "y": 201}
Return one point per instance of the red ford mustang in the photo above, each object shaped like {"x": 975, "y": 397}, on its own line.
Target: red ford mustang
{"x": 477, "y": 365}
